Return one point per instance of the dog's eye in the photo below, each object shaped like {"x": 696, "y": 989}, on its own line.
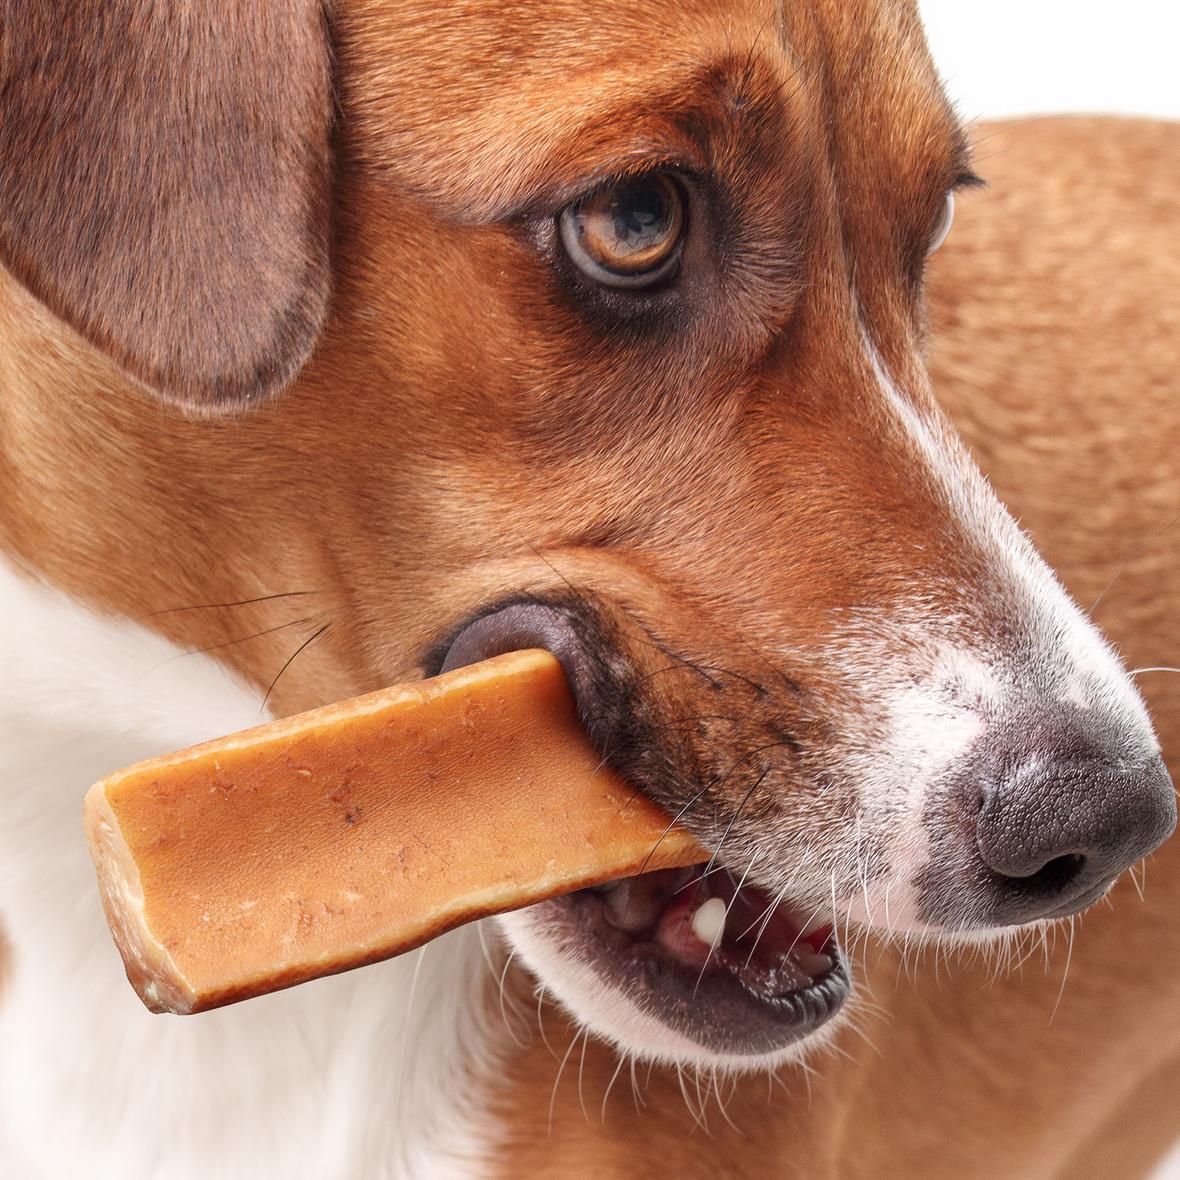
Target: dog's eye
{"x": 943, "y": 228}
{"x": 627, "y": 234}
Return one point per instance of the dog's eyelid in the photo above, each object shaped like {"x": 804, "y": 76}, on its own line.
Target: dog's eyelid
{"x": 548, "y": 202}
{"x": 960, "y": 170}
{"x": 968, "y": 178}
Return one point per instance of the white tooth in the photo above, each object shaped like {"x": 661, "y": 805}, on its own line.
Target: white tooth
{"x": 708, "y": 923}
{"x": 815, "y": 965}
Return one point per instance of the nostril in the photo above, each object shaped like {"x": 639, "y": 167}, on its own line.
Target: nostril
{"x": 1052, "y": 878}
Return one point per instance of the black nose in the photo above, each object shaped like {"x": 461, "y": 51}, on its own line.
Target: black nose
{"x": 1056, "y": 835}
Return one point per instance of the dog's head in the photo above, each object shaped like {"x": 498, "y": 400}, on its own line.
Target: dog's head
{"x": 623, "y": 358}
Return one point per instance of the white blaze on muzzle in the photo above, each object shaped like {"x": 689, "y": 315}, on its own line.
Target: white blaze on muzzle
{"x": 930, "y": 686}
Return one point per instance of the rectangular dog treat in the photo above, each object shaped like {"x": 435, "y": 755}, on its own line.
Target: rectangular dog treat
{"x": 355, "y": 832}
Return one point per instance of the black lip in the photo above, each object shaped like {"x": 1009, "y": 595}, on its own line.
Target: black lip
{"x": 519, "y": 623}
{"x": 713, "y": 1009}
{"x": 606, "y": 688}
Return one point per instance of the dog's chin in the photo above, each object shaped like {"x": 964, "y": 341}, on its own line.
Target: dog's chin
{"x": 624, "y": 961}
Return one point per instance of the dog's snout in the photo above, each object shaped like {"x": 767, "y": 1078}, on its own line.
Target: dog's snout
{"x": 1055, "y": 836}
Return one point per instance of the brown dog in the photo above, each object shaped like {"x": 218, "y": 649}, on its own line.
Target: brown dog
{"x": 618, "y": 352}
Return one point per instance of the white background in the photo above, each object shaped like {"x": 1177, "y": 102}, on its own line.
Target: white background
{"x": 1012, "y": 57}
{"x": 1008, "y": 57}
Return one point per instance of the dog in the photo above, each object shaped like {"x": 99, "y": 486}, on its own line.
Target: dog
{"x": 342, "y": 347}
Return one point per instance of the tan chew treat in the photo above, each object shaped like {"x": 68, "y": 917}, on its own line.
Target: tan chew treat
{"x": 360, "y": 830}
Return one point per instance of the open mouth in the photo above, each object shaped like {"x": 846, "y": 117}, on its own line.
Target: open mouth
{"x": 709, "y": 957}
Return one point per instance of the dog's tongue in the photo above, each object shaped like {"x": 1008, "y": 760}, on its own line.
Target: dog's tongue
{"x": 709, "y": 924}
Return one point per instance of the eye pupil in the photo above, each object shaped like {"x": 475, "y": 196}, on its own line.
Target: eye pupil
{"x": 627, "y": 234}
{"x": 641, "y": 212}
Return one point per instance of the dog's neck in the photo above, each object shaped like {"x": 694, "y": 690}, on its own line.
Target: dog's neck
{"x": 384, "y": 1058}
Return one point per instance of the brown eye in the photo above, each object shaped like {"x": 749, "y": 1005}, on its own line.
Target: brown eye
{"x": 627, "y": 234}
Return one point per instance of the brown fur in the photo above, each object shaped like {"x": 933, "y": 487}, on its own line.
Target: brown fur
{"x": 467, "y": 429}
{"x": 165, "y": 193}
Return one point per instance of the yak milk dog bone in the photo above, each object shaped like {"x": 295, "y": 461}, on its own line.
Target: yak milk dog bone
{"x": 360, "y": 830}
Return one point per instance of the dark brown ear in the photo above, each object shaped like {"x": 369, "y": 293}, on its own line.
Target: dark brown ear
{"x": 164, "y": 183}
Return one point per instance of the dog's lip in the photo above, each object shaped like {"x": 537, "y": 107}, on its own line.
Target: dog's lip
{"x": 715, "y": 999}
{"x": 513, "y": 626}
{"x": 719, "y": 1007}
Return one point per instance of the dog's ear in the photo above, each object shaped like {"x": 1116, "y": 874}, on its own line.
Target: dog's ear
{"x": 164, "y": 176}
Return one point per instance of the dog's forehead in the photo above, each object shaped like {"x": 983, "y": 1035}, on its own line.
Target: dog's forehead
{"x": 468, "y": 103}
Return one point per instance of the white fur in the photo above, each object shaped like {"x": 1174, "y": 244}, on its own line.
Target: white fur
{"x": 1074, "y": 652}
{"x": 927, "y": 692}
{"x": 347, "y": 1078}
{"x": 927, "y": 733}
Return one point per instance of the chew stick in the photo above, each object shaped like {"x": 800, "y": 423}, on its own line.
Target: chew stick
{"x": 355, "y": 832}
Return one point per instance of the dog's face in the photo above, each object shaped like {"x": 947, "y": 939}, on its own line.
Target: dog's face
{"x": 624, "y": 360}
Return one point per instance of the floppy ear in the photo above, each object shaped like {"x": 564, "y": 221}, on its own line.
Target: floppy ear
{"x": 164, "y": 183}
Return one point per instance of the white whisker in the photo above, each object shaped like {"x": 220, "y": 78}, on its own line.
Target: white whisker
{"x": 557, "y": 1079}
{"x": 1065, "y": 973}
{"x": 610, "y": 1086}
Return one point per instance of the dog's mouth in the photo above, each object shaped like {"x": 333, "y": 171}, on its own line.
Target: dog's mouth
{"x": 726, "y": 970}
{"x": 715, "y": 960}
